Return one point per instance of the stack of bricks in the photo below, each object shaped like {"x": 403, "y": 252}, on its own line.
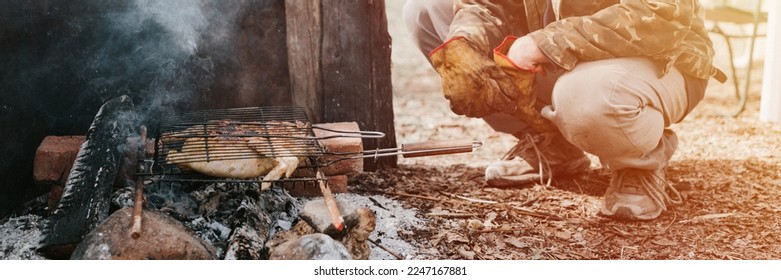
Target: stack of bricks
{"x": 56, "y": 154}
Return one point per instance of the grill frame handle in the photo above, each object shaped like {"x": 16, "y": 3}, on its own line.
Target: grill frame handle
{"x": 420, "y": 149}
{"x": 347, "y": 133}
{"x": 438, "y": 147}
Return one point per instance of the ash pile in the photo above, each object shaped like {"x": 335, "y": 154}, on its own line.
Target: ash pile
{"x": 237, "y": 221}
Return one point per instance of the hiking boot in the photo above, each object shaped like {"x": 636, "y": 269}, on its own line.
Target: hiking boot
{"x": 536, "y": 158}
{"x": 636, "y": 194}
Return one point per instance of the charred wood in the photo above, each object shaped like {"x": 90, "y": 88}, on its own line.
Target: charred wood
{"x": 259, "y": 218}
{"x": 86, "y": 198}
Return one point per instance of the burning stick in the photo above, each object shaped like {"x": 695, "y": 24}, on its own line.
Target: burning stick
{"x": 336, "y": 217}
{"x": 135, "y": 229}
{"x": 138, "y": 202}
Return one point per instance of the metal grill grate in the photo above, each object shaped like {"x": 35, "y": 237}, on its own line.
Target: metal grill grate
{"x": 250, "y": 114}
{"x": 236, "y": 134}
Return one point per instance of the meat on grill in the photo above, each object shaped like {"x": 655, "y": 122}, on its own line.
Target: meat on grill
{"x": 241, "y": 151}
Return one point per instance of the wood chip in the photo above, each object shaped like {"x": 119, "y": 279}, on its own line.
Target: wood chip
{"x": 466, "y": 254}
{"x": 476, "y": 200}
{"x": 451, "y": 215}
{"x": 516, "y": 243}
{"x": 664, "y": 242}
{"x": 707, "y": 217}
{"x": 566, "y": 235}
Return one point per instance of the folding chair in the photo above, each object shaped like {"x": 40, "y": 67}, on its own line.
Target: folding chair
{"x": 724, "y": 12}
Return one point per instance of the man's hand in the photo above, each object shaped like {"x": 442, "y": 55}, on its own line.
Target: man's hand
{"x": 472, "y": 81}
{"x": 527, "y": 56}
{"x": 528, "y": 106}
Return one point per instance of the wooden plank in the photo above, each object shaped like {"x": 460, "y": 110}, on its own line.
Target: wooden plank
{"x": 770, "y": 107}
{"x": 382, "y": 84}
{"x": 356, "y": 70}
{"x": 245, "y": 42}
{"x": 303, "y": 18}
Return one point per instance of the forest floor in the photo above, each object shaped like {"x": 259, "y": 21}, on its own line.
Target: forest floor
{"x": 727, "y": 168}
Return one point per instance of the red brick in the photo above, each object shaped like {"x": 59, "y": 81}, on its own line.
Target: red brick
{"x": 341, "y": 145}
{"x": 338, "y": 184}
{"x": 54, "y": 159}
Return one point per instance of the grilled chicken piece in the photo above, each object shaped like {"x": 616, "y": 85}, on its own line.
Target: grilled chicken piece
{"x": 221, "y": 164}
{"x": 241, "y": 151}
{"x": 283, "y": 147}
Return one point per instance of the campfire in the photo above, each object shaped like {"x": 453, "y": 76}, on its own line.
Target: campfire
{"x": 179, "y": 58}
{"x": 216, "y": 184}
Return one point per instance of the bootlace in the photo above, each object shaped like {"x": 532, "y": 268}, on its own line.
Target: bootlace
{"x": 523, "y": 150}
{"x": 647, "y": 181}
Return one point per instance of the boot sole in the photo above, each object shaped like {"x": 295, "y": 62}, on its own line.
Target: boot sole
{"x": 626, "y": 214}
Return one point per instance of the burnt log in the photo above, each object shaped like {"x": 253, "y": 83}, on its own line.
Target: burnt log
{"x": 87, "y": 194}
{"x": 250, "y": 231}
{"x": 258, "y": 219}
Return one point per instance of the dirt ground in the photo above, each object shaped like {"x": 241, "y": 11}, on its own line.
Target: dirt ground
{"x": 727, "y": 168}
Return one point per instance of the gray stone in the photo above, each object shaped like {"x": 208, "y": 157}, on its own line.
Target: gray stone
{"x": 359, "y": 224}
{"x": 357, "y": 238}
{"x": 316, "y": 214}
{"x": 162, "y": 238}
{"x": 316, "y": 246}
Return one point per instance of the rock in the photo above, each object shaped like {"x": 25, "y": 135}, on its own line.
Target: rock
{"x": 359, "y": 224}
{"x": 316, "y": 246}
{"x": 162, "y": 238}
{"x": 299, "y": 229}
{"x": 316, "y": 214}
{"x": 357, "y": 238}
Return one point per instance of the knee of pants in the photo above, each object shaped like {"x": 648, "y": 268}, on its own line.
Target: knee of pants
{"x": 428, "y": 21}
{"x": 413, "y": 10}
{"x": 416, "y": 14}
{"x": 603, "y": 116}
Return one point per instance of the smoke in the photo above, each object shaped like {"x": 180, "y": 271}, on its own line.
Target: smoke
{"x": 153, "y": 46}
{"x": 61, "y": 60}
{"x": 182, "y": 19}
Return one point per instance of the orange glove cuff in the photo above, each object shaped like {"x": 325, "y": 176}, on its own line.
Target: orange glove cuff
{"x": 500, "y": 55}
{"x": 437, "y": 49}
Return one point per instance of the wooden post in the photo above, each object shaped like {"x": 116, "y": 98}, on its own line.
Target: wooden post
{"x": 346, "y": 75}
{"x": 304, "y": 32}
{"x": 770, "y": 107}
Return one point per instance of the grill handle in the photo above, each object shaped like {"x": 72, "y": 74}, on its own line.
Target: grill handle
{"x": 438, "y": 147}
{"x": 348, "y": 133}
{"x": 428, "y": 148}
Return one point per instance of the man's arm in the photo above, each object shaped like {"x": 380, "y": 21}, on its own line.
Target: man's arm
{"x": 485, "y": 23}
{"x": 631, "y": 28}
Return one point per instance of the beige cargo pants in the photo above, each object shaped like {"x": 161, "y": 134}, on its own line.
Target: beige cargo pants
{"x": 617, "y": 109}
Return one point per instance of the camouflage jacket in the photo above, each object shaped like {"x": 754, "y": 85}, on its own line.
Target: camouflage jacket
{"x": 670, "y": 32}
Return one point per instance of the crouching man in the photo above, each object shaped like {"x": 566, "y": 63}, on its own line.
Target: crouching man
{"x": 565, "y": 77}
